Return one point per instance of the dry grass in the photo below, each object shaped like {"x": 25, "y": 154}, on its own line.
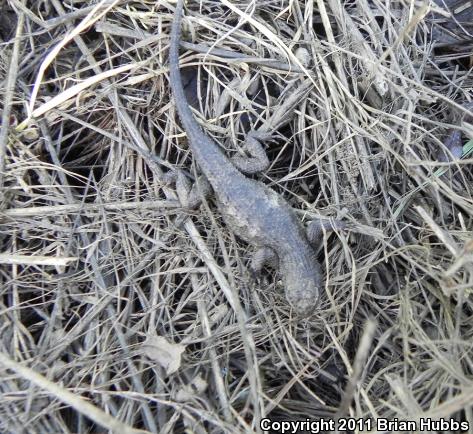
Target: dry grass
{"x": 122, "y": 310}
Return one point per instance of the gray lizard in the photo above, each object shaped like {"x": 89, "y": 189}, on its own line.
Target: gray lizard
{"x": 250, "y": 209}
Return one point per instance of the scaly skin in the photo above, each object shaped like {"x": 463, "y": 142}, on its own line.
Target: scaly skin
{"x": 250, "y": 209}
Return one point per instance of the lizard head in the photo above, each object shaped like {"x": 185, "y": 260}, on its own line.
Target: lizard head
{"x": 303, "y": 291}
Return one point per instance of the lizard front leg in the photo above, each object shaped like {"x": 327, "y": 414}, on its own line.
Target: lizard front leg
{"x": 316, "y": 228}
{"x": 263, "y": 256}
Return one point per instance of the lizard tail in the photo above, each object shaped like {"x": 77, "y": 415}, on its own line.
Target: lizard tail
{"x": 205, "y": 150}
{"x": 184, "y": 111}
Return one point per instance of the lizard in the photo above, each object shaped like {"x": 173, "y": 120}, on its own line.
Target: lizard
{"x": 252, "y": 210}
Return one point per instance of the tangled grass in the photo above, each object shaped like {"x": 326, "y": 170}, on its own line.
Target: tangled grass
{"x": 124, "y": 311}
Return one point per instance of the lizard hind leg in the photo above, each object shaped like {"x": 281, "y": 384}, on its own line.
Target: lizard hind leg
{"x": 258, "y": 160}
{"x": 189, "y": 195}
{"x": 192, "y": 196}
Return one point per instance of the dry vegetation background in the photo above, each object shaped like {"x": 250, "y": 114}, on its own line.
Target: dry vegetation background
{"x": 122, "y": 310}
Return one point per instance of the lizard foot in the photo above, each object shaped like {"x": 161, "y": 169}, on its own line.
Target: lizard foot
{"x": 258, "y": 160}
{"x": 316, "y": 228}
{"x": 263, "y": 256}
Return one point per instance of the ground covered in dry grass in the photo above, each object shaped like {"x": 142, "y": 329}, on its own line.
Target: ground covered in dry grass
{"x": 124, "y": 311}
